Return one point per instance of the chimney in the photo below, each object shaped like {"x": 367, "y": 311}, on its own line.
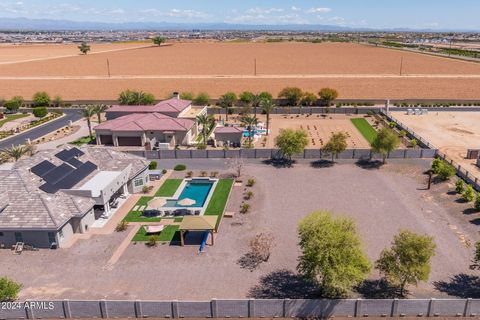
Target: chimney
{"x": 176, "y": 95}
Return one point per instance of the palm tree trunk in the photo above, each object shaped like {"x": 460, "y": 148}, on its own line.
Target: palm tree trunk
{"x": 384, "y": 158}
{"x": 226, "y": 114}
{"x": 268, "y": 123}
{"x": 333, "y": 156}
{"x": 255, "y": 110}
{"x": 99, "y": 118}
{"x": 89, "y": 128}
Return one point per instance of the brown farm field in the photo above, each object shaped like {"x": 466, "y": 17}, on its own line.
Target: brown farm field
{"x": 357, "y": 71}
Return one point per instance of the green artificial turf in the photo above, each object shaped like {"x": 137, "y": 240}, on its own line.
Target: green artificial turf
{"x": 169, "y": 233}
{"x": 367, "y": 131}
{"x": 82, "y": 141}
{"x": 217, "y": 203}
{"x": 168, "y": 188}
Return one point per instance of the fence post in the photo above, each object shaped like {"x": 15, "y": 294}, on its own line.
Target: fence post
{"x": 103, "y": 308}
{"x": 286, "y": 312}
{"x": 67, "y": 313}
{"x": 394, "y": 308}
{"x": 431, "y": 308}
{"x": 468, "y": 307}
{"x": 358, "y": 308}
{"x": 214, "y": 308}
{"x": 251, "y": 308}
{"x": 138, "y": 309}
{"x": 354, "y": 153}
{"x": 175, "y": 313}
{"x": 421, "y": 152}
{"x": 29, "y": 311}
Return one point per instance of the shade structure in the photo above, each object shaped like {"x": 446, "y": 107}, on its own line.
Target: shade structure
{"x": 187, "y": 202}
{"x": 156, "y": 203}
{"x": 198, "y": 223}
{"x": 154, "y": 229}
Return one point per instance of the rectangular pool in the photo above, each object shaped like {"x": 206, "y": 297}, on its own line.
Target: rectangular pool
{"x": 197, "y": 190}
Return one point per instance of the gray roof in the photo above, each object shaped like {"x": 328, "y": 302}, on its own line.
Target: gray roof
{"x": 25, "y": 206}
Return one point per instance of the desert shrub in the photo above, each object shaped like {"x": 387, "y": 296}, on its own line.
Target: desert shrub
{"x": 152, "y": 241}
{"x": 164, "y": 171}
{"x": 40, "y": 112}
{"x": 41, "y": 99}
{"x": 146, "y": 189}
{"x": 201, "y": 146}
{"x": 248, "y": 195}
{"x": 9, "y": 289}
{"x": 251, "y": 182}
{"x": 460, "y": 186}
{"x": 469, "y": 194}
{"x": 153, "y": 165}
{"x": 14, "y": 104}
{"x": 203, "y": 173}
{"x": 186, "y": 96}
{"x": 121, "y": 226}
{"x": 180, "y": 167}
{"x": 245, "y": 208}
{"x": 446, "y": 171}
{"x": 202, "y": 99}
{"x": 261, "y": 246}
{"x": 476, "y": 205}
{"x": 214, "y": 174}
{"x": 189, "y": 174}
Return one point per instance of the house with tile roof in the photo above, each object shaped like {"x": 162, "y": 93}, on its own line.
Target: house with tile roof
{"x": 167, "y": 124}
{"x": 46, "y": 198}
{"x": 141, "y": 129}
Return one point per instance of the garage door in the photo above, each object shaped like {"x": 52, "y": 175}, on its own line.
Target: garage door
{"x": 130, "y": 141}
{"x": 106, "y": 139}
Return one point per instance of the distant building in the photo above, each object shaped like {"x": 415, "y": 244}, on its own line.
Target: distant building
{"x": 47, "y": 198}
{"x": 228, "y": 136}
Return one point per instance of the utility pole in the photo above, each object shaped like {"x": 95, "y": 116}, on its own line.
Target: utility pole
{"x": 401, "y": 66}
{"x": 255, "y": 66}
{"x": 108, "y": 67}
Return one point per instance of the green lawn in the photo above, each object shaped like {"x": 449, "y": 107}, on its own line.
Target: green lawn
{"x": 82, "y": 141}
{"x": 217, "y": 203}
{"x": 367, "y": 131}
{"x": 170, "y": 233}
{"x": 11, "y": 117}
{"x": 168, "y": 188}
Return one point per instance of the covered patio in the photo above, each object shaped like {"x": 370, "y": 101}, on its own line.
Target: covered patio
{"x": 198, "y": 223}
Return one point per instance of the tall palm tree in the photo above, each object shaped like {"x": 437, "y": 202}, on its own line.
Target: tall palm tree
{"x": 207, "y": 122}
{"x": 16, "y": 152}
{"x": 249, "y": 122}
{"x": 99, "y": 109}
{"x": 255, "y": 103}
{"x": 88, "y": 113}
{"x": 267, "y": 106}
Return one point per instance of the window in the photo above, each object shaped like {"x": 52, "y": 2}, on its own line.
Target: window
{"x": 51, "y": 237}
{"x": 18, "y": 237}
{"x": 138, "y": 182}
{"x": 60, "y": 234}
{"x": 1, "y": 234}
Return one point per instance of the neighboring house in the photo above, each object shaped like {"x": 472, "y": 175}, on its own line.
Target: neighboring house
{"x": 175, "y": 108}
{"x": 226, "y": 136}
{"x": 47, "y": 198}
{"x": 140, "y": 129}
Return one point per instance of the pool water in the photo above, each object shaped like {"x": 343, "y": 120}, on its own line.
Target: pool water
{"x": 246, "y": 134}
{"x": 195, "y": 190}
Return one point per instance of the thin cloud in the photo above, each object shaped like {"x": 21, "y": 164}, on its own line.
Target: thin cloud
{"x": 318, "y": 10}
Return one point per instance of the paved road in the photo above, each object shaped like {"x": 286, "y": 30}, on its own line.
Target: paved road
{"x": 70, "y": 114}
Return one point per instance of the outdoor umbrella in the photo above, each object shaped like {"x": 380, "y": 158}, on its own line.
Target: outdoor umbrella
{"x": 187, "y": 202}
{"x": 157, "y": 203}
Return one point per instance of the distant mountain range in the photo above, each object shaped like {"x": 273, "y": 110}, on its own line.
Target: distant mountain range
{"x": 24, "y": 24}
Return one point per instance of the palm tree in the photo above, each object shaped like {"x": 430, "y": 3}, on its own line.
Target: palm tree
{"x": 99, "y": 109}
{"x": 249, "y": 122}
{"x": 88, "y": 113}
{"x": 255, "y": 103}
{"x": 84, "y": 48}
{"x": 267, "y": 106}
{"x": 16, "y": 152}
{"x": 207, "y": 123}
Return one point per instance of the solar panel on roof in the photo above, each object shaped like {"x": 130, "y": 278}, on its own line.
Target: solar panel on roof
{"x": 76, "y": 176}
{"x": 58, "y": 173}
{"x": 48, "y": 188}
{"x": 67, "y": 154}
{"x": 75, "y": 162}
{"x": 43, "y": 168}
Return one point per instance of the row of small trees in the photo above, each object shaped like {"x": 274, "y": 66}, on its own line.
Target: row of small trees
{"x": 39, "y": 99}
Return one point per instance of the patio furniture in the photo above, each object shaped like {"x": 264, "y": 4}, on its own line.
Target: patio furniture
{"x": 154, "y": 229}
{"x": 197, "y": 212}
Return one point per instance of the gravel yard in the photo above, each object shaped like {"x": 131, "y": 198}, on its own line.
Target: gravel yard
{"x": 382, "y": 201}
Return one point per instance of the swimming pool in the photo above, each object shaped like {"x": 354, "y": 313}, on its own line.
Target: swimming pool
{"x": 246, "y": 134}
{"x": 195, "y": 189}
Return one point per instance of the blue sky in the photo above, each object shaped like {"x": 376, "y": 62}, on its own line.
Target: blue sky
{"x": 435, "y": 14}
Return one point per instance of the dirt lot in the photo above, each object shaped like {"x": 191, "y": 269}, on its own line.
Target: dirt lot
{"x": 319, "y": 129}
{"x": 452, "y": 132}
{"x": 381, "y": 201}
{"x": 356, "y": 71}
{"x": 35, "y": 52}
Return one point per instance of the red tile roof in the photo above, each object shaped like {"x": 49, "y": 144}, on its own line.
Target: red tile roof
{"x": 146, "y": 122}
{"x": 170, "y": 105}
